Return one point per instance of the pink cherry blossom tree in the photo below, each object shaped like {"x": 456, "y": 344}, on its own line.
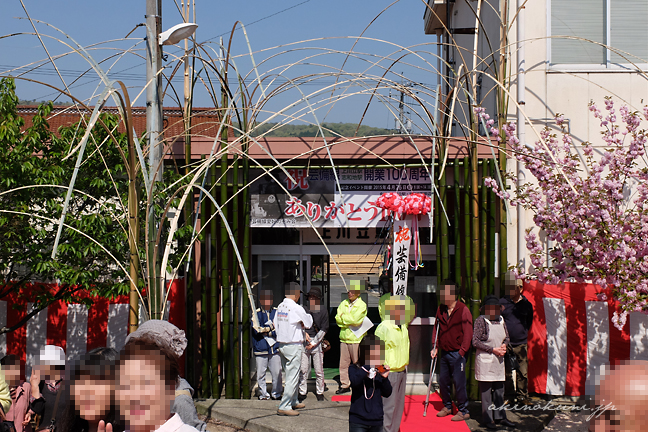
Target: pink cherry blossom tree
{"x": 593, "y": 207}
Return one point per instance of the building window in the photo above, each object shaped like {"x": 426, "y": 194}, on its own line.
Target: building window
{"x": 620, "y": 24}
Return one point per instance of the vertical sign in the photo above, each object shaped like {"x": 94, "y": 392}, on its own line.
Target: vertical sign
{"x": 400, "y": 251}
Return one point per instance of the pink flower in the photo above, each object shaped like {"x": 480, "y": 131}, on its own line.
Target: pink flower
{"x": 579, "y": 204}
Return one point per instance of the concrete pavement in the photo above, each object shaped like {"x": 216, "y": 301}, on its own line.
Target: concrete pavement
{"x": 261, "y": 416}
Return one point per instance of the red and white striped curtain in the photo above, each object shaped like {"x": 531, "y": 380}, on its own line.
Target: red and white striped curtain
{"x": 573, "y": 336}
{"x": 75, "y": 327}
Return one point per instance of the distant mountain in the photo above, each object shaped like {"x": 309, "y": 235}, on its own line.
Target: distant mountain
{"x": 330, "y": 130}
{"x": 35, "y": 102}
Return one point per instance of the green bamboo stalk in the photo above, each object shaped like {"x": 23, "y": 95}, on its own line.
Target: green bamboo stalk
{"x": 492, "y": 226}
{"x": 246, "y": 263}
{"x": 204, "y": 382}
{"x": 190, "y": 277}
{"x": 483, "y": 233}
{"x": 226, "y": 282}
{"x": 457, "y": 218}
{"x": 443, "y": 226}
{"x": 502, "y": 230}
{"x": 474, "y": 250}
{"x": 466, "y": 234}
{"x": 235, "y": 282}
{"x": 437, "y": 238}
{"x": 214, "y": 291}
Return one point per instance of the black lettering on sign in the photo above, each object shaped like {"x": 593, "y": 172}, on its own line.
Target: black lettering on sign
{"x": 363, "y": 233}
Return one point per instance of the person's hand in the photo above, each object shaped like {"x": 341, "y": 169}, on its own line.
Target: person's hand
{"x": 308, "y": 339}
{"x": 433, "y": 353}
{"x": 499, "y": 351}
{"x": 103, "y": 427}
{"x": 35, "y": 380}
{"x": 310, "y": 346}
{"x": 386, "y": 373}
{"x": 27, "y": 419}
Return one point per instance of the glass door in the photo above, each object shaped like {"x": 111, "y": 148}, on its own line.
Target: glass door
{"x": 276, "y": 271}
{"x": 320, "y": 275}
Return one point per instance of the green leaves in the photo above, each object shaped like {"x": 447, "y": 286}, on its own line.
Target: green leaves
{"x": 33, "y": 177}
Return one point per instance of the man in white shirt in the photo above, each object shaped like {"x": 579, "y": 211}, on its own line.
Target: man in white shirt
{"x": 290, "y": 321}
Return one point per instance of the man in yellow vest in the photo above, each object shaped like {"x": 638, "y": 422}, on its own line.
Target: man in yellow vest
{"x": 350, "y": 313}
{"x": 396, "y": 312}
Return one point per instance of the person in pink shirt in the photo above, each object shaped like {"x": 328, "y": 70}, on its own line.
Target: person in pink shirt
{"x": 19, "y": 390}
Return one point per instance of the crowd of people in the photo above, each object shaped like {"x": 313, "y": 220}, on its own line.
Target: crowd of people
{"x": 140, "y": 388}
{"x": 373, "y": 367}
{"x": 137, "y": 389}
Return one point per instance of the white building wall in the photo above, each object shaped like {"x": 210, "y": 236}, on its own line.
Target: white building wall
{"x": 568, "y": 90}
{"x": 550, "y": 89}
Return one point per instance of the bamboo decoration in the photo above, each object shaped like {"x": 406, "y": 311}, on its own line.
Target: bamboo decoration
{"x": 467, "y": 225}
{"x": 204, "y": 382}
{"x": 443, "y": 225}
{"x": 492, "y": 227}
{"x": 483, "y": 233}
{"x": 457, "y": 218}
{"x": 214, "y": 294}
{"x": 247, "y": 251}
{"x": 436, "y": 233}
{"x": 475, "y": 291}
{"x": 236, "y": 341}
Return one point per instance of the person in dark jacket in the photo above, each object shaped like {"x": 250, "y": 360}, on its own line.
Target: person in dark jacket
{"x": 265, "y": 349}
{"x": 369, "y": 384}
{"x": 47, "y": 385}
{"x": 518, "y": 315}
{"x": 313, "y": 345}
{"x": 455, "y": 338}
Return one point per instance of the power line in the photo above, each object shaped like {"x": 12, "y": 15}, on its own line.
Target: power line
{"x": 262, "y": 19}
{"x": 223, "y": 34}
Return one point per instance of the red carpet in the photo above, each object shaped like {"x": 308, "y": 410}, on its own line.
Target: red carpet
{"x": 413, "y": 420}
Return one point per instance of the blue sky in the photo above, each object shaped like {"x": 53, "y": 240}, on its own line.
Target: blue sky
{"x": 327, "y": 25}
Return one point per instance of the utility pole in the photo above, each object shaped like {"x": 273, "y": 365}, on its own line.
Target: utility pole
{"x": 154, "y": 128}
{"x": 404, "y": 124}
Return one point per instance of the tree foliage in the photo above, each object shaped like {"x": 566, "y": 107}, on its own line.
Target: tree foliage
{"x": 34, "y": 175}
{"x": 330, "y": 130}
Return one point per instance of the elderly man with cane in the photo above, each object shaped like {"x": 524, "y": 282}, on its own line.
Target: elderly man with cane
{"x": 455, "y": 337}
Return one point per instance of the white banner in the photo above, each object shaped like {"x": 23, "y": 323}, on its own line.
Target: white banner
{"x": 400, "y": 252}
{"x": 315, "y": 195}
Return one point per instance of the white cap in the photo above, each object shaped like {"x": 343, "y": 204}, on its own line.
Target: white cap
{"x": 52, "y": 355}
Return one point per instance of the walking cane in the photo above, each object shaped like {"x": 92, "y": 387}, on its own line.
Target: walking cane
{"x": 432, "y": 368}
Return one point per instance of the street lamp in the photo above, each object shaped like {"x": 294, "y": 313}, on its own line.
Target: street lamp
{"x": 154, "y": 41}
{"x": 177, "y": 33}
